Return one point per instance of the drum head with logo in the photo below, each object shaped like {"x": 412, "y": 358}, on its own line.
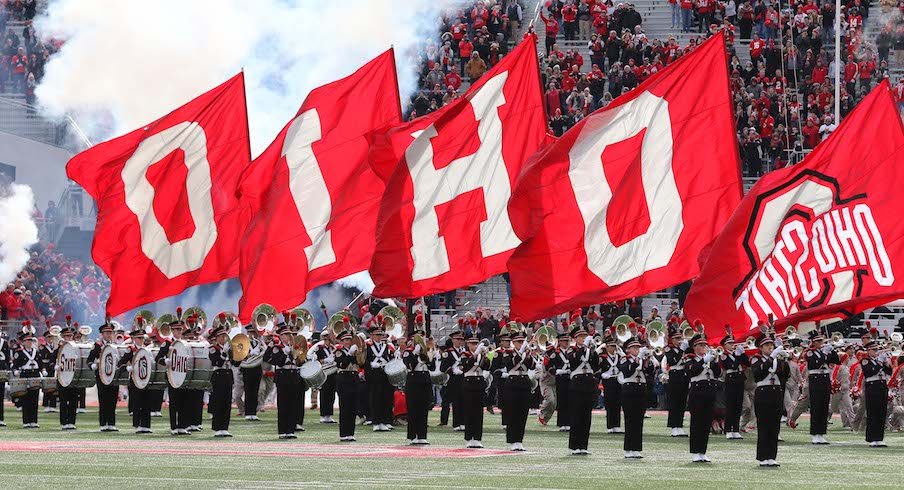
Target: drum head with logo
{"x": 106, "y": 364}
{"x": 181, "y": 360}
{"x": 142, "y": 368}
{"x": 68, "y": 359}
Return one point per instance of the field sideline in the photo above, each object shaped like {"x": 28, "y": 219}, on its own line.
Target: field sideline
{"x": 254, "y": 458}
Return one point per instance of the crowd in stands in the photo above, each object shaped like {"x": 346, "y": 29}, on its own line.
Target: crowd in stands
{"x": 22, "y": 52}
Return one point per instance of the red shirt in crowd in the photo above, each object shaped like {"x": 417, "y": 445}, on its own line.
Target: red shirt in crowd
{"x": 453, "y": 79}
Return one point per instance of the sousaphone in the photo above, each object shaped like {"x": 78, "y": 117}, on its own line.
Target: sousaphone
{"x": 656, "y": 334}
{"x": 264, "y": 317}
{"x": 162, "y": 324}
{"x": 398, "y": 321}
{"x": 304, "y": 321}
{"x": 199, "y": 315}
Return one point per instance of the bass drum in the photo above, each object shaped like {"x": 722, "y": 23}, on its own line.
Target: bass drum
{"x": 189, "y": 365}
{"x": 107, "y": 370}
{"x": 313, "y": 374}
{"x": 72, "y": 369}
{"x": 146, "y": 374}
{"x": 396, "y": 372}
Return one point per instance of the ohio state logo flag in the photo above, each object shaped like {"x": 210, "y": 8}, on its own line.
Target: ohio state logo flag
{"x": 443, "y": 222}
{"x": 623, "y": 203}
{"x": 167, "y": 214}
{"x": 817, "y": 240}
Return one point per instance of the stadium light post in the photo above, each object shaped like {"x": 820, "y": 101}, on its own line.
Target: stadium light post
{"x": 837, "y": 61}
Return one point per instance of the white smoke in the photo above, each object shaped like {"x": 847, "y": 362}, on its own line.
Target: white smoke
{"x": 18, "y": 231}
{"x": 125, "y": 64}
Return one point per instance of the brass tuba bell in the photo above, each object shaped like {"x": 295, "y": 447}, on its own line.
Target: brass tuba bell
{"x": 264, "y": 317}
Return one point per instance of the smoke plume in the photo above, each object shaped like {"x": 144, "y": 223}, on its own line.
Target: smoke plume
{"x": 18, "y": 231}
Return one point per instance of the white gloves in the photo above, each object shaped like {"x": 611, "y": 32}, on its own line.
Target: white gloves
{"x": 44, "y": 372}
{"x": 777, "y": 352}
{"x": 417, "y": 349}
{"x": 739, "y": 350}
{"x": 94, "y": 366}
{"x": 457, "y": 371}
{"x": 827, "y": 349}
{"x": 375, "y": 364}
{"x": 505, "y": 374}
{"x": 129, "y": 368}
{"x": 883, "y": 358}
{"x": 588, "y": 341}
{"x": 774, "y": 367}
{"x": 644, "y": 351}
{"x": 708, "y": 357}
{"x": 778, "y": 342}
{"x": 330, "y": 359}
{"x": 16, "y": 372}
{"x": 560, "y": 372}
{"x": 683, "y": 345}
{"x": 166, "y": 360}
{"x": 352, "y": 350}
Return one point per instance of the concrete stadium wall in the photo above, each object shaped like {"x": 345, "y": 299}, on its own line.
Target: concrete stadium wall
{"x": 38, "y": 165}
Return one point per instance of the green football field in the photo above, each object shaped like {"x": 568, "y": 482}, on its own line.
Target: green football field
{"x": 255, "y": 458}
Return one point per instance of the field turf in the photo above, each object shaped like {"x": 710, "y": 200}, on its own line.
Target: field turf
{"x": 255, "y": 458}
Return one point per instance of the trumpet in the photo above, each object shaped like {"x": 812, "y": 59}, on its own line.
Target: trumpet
{"x": 750, "y": 343}
{"x": 718, "y": 351}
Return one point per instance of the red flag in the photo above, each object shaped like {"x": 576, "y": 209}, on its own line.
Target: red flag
{"x": 443, "y": 221}
{"x": 315, "y": 193}
{"x": 817, "y": 240}
{"x": 167, "y": 214}
{"x": 623, "y": 203}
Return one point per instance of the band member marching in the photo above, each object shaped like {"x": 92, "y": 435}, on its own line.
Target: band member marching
{"x": 346, "y": 355}
{"x": 220, "y": 403}
{"x": 142, "y": 399}
{"x": 178, "y": 397}
{"x": 419, "y": 360}
{"x": 583, "y": 390}
{"x": 559, "y": 368}
{"x": 498, "y": 370}
{"x": 286, "y": 378}
{"x": 734, "y": 361}
{"x": 770, "y": 373}
{"x": 703, "y": 371}
{"x": 876, "y": 368}
{"x": 474, "y": 364}
{"x": 5, "y": 355}
{"x": 379, "y": 352}
{"x": 609, "y": 361}
{"x": 252, "y": 374}
{"x": 47, "y": 353}
{"x": 194, "y": 398}
{"x": 451, "y": 359}
{"x": 516, "y": 362}
{"x": 818, "y": 358}
{"x": 27, "y": 364}
{"x": 107, "y": 395}
{"x": 633, "y": 370}
{"x": 68, "y": 396}
{"x": 321, "y": 351}
{"x": 677, "y": 385}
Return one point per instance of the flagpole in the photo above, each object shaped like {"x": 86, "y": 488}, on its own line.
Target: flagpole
{"x": 837, "y": 61}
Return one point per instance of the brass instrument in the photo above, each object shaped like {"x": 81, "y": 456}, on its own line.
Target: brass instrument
{"x": 361, "y": 355}
{"x": 85, "y": 330}
{"x": 418, "y": 339}
{"x": 147, "y": 315}
{"x": 239, "y": 347}
{"x": 162, "y": 324}
{"x": 837, "y": 339}
{"x": 336, "y": 324}
{"x": 55, "y": 337}
{"x": 797, "y": 351}
{"x": 656, "y": 334}
{"x": 398, "y": 320}
{"x": 658, "y": 352}
{"x": 622, "y": 333}
{"x": 225, "y": 319}
{"x": 791, "y": 333}
{"x": 718, "y": 351}
{"x": 300, "y": 349}
{"x": 750, "y": 343}
{"x": 264, "y": 317}
{"x": 688, "y": 333}
{"x": 198, "y": 314}
{"x": 304, "y": 321}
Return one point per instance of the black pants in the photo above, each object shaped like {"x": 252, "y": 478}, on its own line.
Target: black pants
{"x": 768, "y": 405}
{"x": 251, "y": 378}
{"x": 178, "y": 408}
{"x": 734, "y": 402}
{"x": 701, "y": 403}
{"x": 451, "y": 401}
{"x": 156, "y": 400}
{"x": 197, "y": 407}
{"x": 82, "y": 397}
{"x": 634, "y": 403}
{"x": 876, "y": 399}
{"x": 500, "y": 395}
{"x": 302, "y": 388}
{"x": 612, "y": 401}
{"x": 677, "y": 402}
{"x": 583, "y": 394}
{"x": 142, "y": 401}
{"x": 2, "y": 390}
{"x": 220, "y": 403}
{"x": 106, "y": 401}
{"x": 362, "y": 409}
{"x": 347, "y": 388}
{"x": 472, "y": 390}
{"x": 517, "y": 395}
{"x": 286, "y": 398}
{"x": 381, "y": 398}
{"x": 563, "y": 411}
{"x": 68, "y": 404}
{"x": 419, "y": 400}
{"x": 820, "y": 395}
{"x": 50, "y": 399}
{"x": 29, "y": 404}
{"x": 328, "y": 396}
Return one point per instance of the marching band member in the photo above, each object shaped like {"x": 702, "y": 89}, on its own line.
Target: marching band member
{"x": 418, "y": 387}
{"x": 583, "y": 390}
{"x": 178, "y": 397}
{"x": 818, "y": 358}
{"x": 47, "y": 355}
{"x": 347, "y": 385}
{"x": 473, "y": 386}
{"x": 286, "y": 379}
{"x": 841, "y": 388}
{"x": 560, "y": 368}
{"x": 68, "y": 396}
{"x": 106, "y": 395}
{"x": 27, "y": 364}
{"x": 505, "y": 343}
{"x": 251, "y": 376}
{"x": 770, "y": 372}
{"x": 549, "y": 401}
{"x": 379, "y": 352}
{"x": 142, "y": 399}
{"x": 516, "y": 362}
{"x": 609, "y": 361}
{"x": 5, "y": 355}
{"x": 632, "y": 376}
{"x": 220, "y": 403}
{"x": 703, "y": 370}
{"x": 734, "y": 362}
{"x": 452, "y": 394}
{"x": 876, "y": 368}
{"x": 194, "y": 397}
{"x": 323, "y": 352}
{"x": 677, "y": 385}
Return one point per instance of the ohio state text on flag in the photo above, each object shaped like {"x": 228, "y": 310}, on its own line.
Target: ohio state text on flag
{"x": 315, "y": 195}
{"x": 815, "y": 240}
{"x": 443, "y": 221}
{"x": 623, "y": 203}
{"x": 167, "y": 214}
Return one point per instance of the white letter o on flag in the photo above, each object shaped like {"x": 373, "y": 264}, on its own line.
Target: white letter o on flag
{"x": 173, "y": 259}
{"x": 618, "y": 264}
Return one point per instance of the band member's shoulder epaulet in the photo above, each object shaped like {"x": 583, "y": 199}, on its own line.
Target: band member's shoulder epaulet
{"x": 275, "y": 349}
{"x": 213, "y": 348}
{"x": 810, "y": 353}
{"x": 864, "y": 361}
{"x": 445, "y": 354}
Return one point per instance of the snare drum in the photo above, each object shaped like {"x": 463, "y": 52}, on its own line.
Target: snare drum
{"x": 72, "y": 368}
{"x": 107, "y": 370}
{"x": 146, "y": 374}
{"x": 189, "y": 365}
{"x": 396, "y": 372}
{"x": 439, "y": 378}
{"x": 312, "y": 372}
{"x": 19, "y": 387}
{"x": 4, "y": 376}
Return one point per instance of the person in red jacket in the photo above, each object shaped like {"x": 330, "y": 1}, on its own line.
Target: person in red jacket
{"x": 552, "y": 30}
{"x": 865, "y": 69}
{"x": 811, "y": 134}
{"x": 570, "y": 21}
{"x": 757, "y": 46}
{"x": 850, "y": 74}
{"x": 453, "y": 79}
{"x": 465, "y": 48}
{"x": 553, "y": 99}
{"x": 13, "y": 306}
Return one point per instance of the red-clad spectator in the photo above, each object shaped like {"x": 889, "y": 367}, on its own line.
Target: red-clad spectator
{"x": 465, "y": 48}
{"x": 453, "y": 79}
{"x": 553, "y": 99}
{"x": 757, "y": 46}
{"x": 811, "y": 135}
{"x": 552, "y": 30}
{"x": 570, "y": 21}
